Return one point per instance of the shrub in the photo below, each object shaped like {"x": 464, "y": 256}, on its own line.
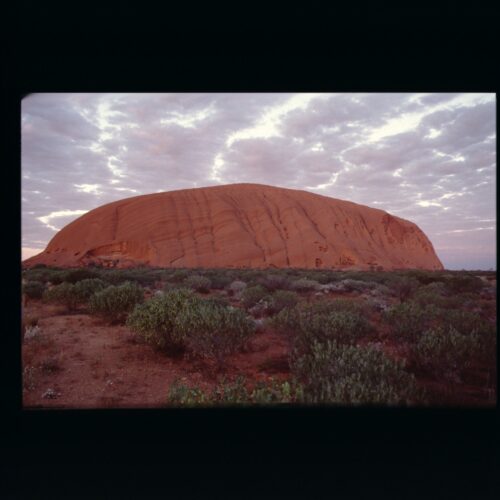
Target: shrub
{"x": 343, "y": 374}
{"x": 252, "y": 295}
{"x": 178, "y": 276}
{"x": 408, "y": 320}
{"x": 33, "y": 289}
{"x": 275, "y": 392}
{"x": 214, "y": 332}
{"x": 318, "y": 321}
{"x": 305, "y": 285}
{"x": 344, "y": 305}
{"x": 218, "y": 301}
{"x": 236, "y": 288}
{"x": 445, "y": 352}
{"x": 62, "y": 294}
{"x": 220, "y": 281}
{"x": 358, "y": 285}
{"x": 182, "y": 395}
{"x": 464, "y": 283}
{"x": 155, "y": 320}
{"x": 464, "y": 322}
{"x": 84, "y": 289}
{"x": 199, "y": 283}
{"x": 180, "y": 320}
{"x": 45, "y": 275}
{"x": 228, "y": 393}
{"x": 343, "y": 327}
{"x": 274, "y": 282}
{"x": 75, "y": 275}
{"x": 114, "y": 302}
{"x": 404, "y": 288}
{"x": 281, "y": 299}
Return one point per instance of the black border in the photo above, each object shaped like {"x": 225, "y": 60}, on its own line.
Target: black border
{"x": 409, "y": 49}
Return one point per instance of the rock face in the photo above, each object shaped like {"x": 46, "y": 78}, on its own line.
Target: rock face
{"x": 239, "y": 225}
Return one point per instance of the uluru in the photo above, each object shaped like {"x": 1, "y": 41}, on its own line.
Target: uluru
{"x": 239, "y": 225}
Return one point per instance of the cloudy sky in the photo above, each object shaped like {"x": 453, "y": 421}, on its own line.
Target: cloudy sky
{"x": 429, "y": 158}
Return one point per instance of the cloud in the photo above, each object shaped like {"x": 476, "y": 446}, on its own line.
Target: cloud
{"x": 61, "y": 213}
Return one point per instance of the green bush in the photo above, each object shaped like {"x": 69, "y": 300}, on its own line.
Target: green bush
{"x": 179, "y": 275}
{"x": 252, "y": 295}
{"x": 332, "y": 373}
{"x": 199, "y": 283}
{"x": 84, "y": 289}
{"x": 319, "y": 321}
{"x": 228, "y": 393}
{"x": 343, "y": 327}
{"x": 214, "y": 332}
{"x": 220, "y": 281}
{"x": 34, "y": 289}
{"x": 62, "y": 294}
{"x": 274, "y": 392}
{"x": 179, "y": 320}
{"x": 218, "y": 301}
{"x": 274, "y": 282}
{"x": 464, "y": 322}
{"x": 408, "y": 320}
{"x": 344, "y": 305}
{"x": 281, "y": 299}
{"x": 464, "y": 283}
{"x": 404, "y": 288}
{"x": 156, "y": 320}
{"x": 444, "y": 352}
{"x": 114, "y": 302}
{"x": 236, "y": 288}
{"x": 305, "y": 285}
{"x": 180, "y": 394}
{"x": 75, "y": 275}
{"x": 45, "y": 275}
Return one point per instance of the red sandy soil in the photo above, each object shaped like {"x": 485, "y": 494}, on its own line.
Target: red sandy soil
{"x": 239, "y": 225}
{"x": 104, "y": 366}
{"x": 95, "y": 365}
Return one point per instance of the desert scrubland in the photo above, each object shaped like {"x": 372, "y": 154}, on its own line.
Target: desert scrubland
{"x": 159, "y": 337}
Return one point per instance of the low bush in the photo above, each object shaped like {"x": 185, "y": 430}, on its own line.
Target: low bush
{"x": 252, "y": 295}
{"x": 115, "y": 302}
{"x": 464, "y": 322}
{"x": 179, "y": 320}
{"x": 282, "y": 299}
{"x": 220, "y": 281}
{"x": 62, "y": 294}
{"x": 84, "y": 289}
{"x": 320, "y": 322}
{"x": 463, "y": 283}
{"x": 199, "y": 283}
{"x": 446, "y": 353}
{"x": 180, "y": 394}
{"x": 408, "y": 320}
{"x": 272, "y": 282}
{"x": 404, "y": 288}
{"x": 179, "y": 275}
{"x": 304, "y": 285}
{"x": 75, "y": 275}
{"x": 34, "y": 289}
{"x": 155, "y": 320}
{"x": 214, "y": 332}
{"x": 228, "y": 393}
{"x": 236, "y": 288}
{"x": 331, "y": 373}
